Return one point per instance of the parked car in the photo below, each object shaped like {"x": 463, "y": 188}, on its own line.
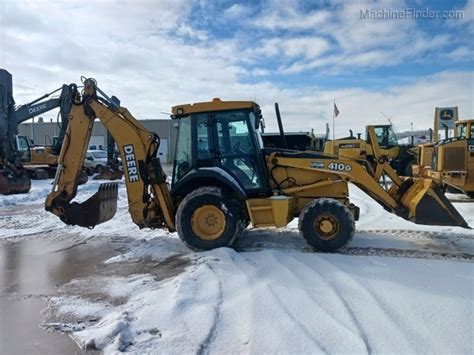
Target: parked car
{"x": 95, "y": 161}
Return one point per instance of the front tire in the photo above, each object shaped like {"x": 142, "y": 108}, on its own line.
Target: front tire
{"x": 207, "y": 220}
{"x": 326, "y": 224}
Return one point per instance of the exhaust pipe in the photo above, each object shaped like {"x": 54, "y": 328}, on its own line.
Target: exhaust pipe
{"x": 280, "y": 126}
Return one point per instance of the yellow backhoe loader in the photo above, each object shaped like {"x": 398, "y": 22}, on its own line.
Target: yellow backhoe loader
{"x": 223, "y": 178}
{"x": 401, "y": 157}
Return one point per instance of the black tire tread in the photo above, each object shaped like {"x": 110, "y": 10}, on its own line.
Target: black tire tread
{"x": 326, "y": 204}
{"x": 236, "y": 213}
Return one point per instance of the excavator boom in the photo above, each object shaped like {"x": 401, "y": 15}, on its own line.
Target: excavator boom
{"x": 149, "y": 200}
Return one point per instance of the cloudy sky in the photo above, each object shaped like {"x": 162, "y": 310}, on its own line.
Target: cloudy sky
{"x": 153, "y": 54}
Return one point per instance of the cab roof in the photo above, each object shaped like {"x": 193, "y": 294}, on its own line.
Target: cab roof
{"x": 214, "y": 105}
{"x": 467, "y": 120}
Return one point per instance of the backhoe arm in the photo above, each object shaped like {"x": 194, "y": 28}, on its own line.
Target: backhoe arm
{"x": 150, "y": 203}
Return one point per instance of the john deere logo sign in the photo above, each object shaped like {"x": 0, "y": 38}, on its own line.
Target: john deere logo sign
{"x": 446, "y": 115}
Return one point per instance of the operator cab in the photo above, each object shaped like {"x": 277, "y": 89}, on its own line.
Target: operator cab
{"x": 219, "y": 137}
{"x": 23, "y": 147}
{"x": 385, "y": 136}
{"x": 465, "y": 129}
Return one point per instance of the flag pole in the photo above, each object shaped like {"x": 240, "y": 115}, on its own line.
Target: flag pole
{"x": 334, "y": 121}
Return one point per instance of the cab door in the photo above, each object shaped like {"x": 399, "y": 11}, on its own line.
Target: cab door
{"x": 237, "y": 151}
{"x": 23, "y": 147}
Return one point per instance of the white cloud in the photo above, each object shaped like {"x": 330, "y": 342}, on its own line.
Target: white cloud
{"x": 341, "y": 39}
{"x": 410, "y": 103}
{"x": 140, "y": 52}
{"x": 237, "y": 10}
{"x": 281, "y": 14}
{"x": 461, "y": 53}
{"x": 305, "y": 47}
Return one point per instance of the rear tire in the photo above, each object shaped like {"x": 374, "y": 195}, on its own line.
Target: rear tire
{"x": 326, "y": 224}
{"x": 207, "y": 220}
{"x": 98, "y": 169}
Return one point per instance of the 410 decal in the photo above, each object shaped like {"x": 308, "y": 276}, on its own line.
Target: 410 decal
{"x": 339, "y": 166}
{"x": 331, "y": 166}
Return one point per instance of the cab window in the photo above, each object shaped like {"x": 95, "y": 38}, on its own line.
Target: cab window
{"x": 203, "y": 136}
{"x": 183, "y": 157}
{"x": 386, "y": 136}
{"x": 237, "y": 153}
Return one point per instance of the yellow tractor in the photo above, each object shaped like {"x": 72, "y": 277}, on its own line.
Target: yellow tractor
{"x": 401, "y": 157}
{"x": 445, "y": 119}
{"x": 223, "y": 179}
{"x": 452, "y": 159}
{"x": 449, "y": 161}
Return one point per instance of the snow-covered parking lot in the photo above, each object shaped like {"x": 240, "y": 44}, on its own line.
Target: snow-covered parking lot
{"x": 397, "y": 288}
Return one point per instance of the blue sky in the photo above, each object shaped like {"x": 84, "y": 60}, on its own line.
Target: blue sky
{"x": 243, "y": 27}
{"x": 154, "y": 54}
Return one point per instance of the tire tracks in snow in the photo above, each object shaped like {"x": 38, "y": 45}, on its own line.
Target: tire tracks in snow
{"x": 360, "y": 333}
{"x": 416, "y": 234}
{"x": 426, "y": 244}
{"x": 300, "y": 325}
{"x": 405, "y": 253}
{"x": 203, "y": 348}
{"x": 377, "y": 305}
{"x": 306, "y": 331}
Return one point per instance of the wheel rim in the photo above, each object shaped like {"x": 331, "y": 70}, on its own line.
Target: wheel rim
{"x": 326, "y": 226}
{"x": 208, "y": 222}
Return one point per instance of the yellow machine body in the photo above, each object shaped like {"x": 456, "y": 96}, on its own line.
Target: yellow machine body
{"x": 400, "y": 157}
{"x": 211, "y": 202}
{"x": 450, "y": 161}
{"x": 453, "y": 161}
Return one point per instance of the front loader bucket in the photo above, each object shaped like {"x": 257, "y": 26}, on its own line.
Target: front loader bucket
{"x": 99, "y": 208}
{"x": 10, "y": 183}
{"x": 427, "y": 204}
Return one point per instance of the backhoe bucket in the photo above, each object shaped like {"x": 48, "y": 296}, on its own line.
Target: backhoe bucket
{"x": 427, "y": 204}
{"x": 11, "y": 183}
{"x": 99, "y": 208}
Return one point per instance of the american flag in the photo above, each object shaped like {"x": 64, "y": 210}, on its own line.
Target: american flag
{"x": 336, "y": 111}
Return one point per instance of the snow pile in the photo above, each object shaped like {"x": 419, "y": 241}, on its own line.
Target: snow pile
{"x": 289, "y": 302}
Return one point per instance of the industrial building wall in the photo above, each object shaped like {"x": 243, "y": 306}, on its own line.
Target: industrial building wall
{"x": 43, "y": 133}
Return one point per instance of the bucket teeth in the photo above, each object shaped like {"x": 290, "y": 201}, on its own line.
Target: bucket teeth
{"x": 99, "y": 208}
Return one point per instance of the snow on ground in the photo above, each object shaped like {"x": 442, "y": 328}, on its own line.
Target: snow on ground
{"x": 289, "y": 302}
{"x": 398, "y": 287}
